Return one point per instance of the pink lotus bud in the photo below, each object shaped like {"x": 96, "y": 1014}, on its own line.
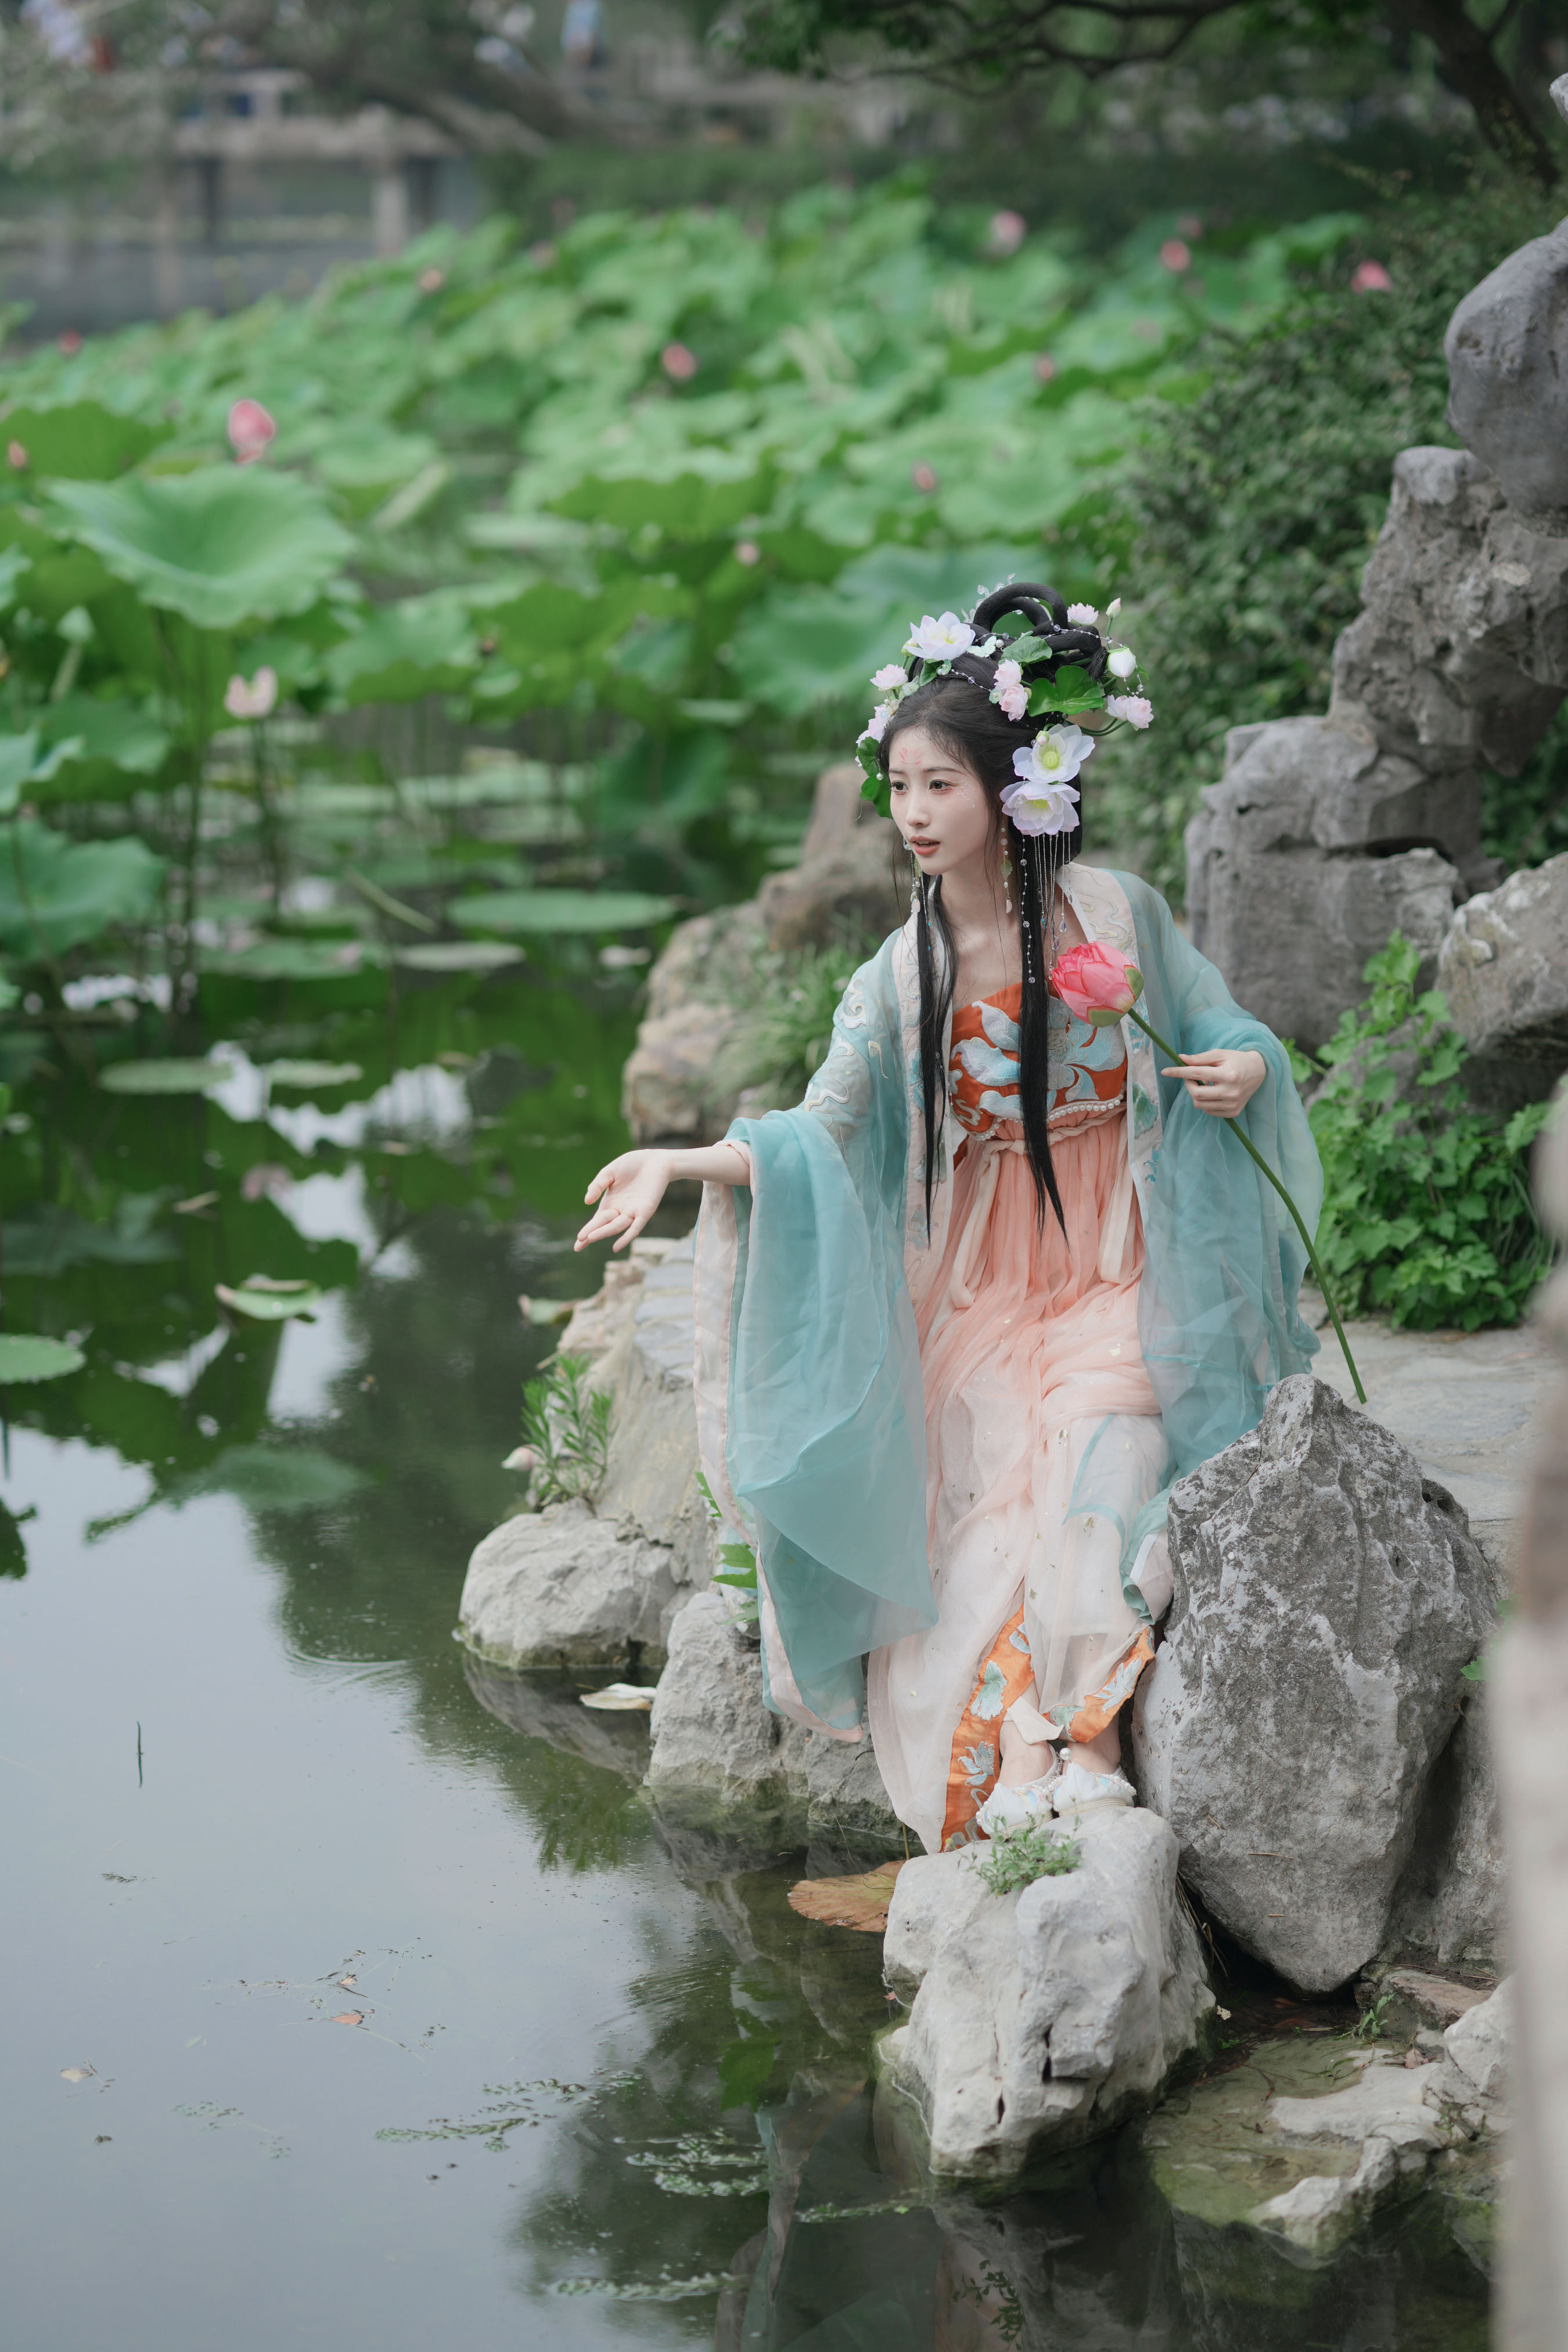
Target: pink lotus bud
{"x": 679, "y": 364}
{"x": 256, "y": 700}
{"x": 923, "y": 477}
{"x": 16, "y": 456}
{"x": 430, "y": 282}
{"x": 748, "y": 552}
{"x": 1095, "y": 985}
{"x": 1371, "y": 278}
{"x": 1045, "y": 367}
{"x": 249, "y": 430}
{"x": 1175, "y": 256}
{"x": 1007, "y": 233}
{"x": 70, "y": 343}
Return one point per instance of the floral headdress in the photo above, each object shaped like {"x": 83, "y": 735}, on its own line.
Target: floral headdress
{"x": 1059, "y": 666}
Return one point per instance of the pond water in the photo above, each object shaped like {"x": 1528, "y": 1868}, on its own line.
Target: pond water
{"x": 341, "y": 2007}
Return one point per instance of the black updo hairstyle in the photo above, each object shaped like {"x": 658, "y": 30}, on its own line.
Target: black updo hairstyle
{"x": 957, "y": 709}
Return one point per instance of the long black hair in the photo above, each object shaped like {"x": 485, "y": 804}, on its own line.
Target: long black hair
{"x": 955, "y": 706}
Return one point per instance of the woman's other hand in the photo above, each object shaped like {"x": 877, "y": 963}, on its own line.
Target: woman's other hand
{"x": 629, "y": 1192}
{"x": 1221, "y": 1082}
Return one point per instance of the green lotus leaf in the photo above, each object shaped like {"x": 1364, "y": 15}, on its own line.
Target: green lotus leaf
{"x": 26, "y": 1355}
{"x": 332, "y": 959}
{"x": 117, "y": 748}
{"x": 312, "y": 1074}
{"x": 164, "y": 1077}
{"x": 562, "y": 910}
{"x": 222, "y": 545}
{"x": 23, "y": 760}
{"x": 426, "y": 645}
{"x": 46, "y": 1239}
{"x": 81, "y": 441}
{"x": 55, "y": 894}
{"x": 262, "y": 1300}
{"x": 457, "y": 955}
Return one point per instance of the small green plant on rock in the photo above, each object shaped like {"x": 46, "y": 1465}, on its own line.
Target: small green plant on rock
{"x": 566, "y": 1425}
{"x": 1018, "y": 1856}
{"x": 1427, "y": 1212}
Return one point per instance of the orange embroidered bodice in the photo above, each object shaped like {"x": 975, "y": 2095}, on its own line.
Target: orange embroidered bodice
{"x": 1088, "y": 1065}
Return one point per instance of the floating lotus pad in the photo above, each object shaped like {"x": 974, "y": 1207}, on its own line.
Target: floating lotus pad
{"x": 562, "y": 910}
{"x": 311, "y": 1074}
{"x": 27, "y": 1356}
{"x": 166, "y": 1077}
{"x": 458, "y": 955}
{"x": 264, "y": 1300}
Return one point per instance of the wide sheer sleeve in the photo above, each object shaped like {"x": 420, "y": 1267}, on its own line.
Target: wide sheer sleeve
{"x": 818, "y": 1434}
{"x": 1217, "y": 1306}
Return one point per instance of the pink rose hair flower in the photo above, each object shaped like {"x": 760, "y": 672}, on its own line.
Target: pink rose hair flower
{"x": 1136, "y": 709}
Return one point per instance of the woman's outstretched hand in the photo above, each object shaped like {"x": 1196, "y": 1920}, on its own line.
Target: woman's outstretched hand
{"x": 1221, "y": 1082}
{"x": 629, "y": 1192}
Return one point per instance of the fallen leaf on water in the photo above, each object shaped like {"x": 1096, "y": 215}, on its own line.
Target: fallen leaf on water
{"x": 631, "y": 1697}
{"x": 77, "y": 2073}
{"x": 104, "y": 2138}
{"x": 860, "y": 1901}
{"x": 349, "y": 1984}
{"x": 349, "y": 2017}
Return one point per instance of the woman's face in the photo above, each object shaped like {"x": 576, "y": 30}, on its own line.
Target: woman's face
{"x": 939, "y": 803}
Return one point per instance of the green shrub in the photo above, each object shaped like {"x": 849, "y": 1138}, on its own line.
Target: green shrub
{"x": 1427, "y": 1212}
{"x": 785, "y": 1036}
{"x": 1017, "y": 1857}
{"x": 567, "y": 1425}
{"x": 1262, "y": 485}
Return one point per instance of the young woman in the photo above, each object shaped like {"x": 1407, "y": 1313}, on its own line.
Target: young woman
{"x": 965, "y": 1315}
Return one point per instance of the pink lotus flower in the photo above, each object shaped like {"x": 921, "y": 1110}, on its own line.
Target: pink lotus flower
{"x": 16, "y": 456}
{"x": 70, "y": 343}
{"x": 748, "y": 552}
{"x": 1136, "y": 709}
{"x": 923, "y": 477}
{"x": 1175, "y": 256}
{"x": 1045, "y": 367}
{"x": 431, "y": 281}
{"x": 1371, "y": 278}
{"x": 1007, "y": 233}
{"x": 249, "y": 430}
{"x": 254, "y": 699}
{"x": 679, "y": 364}
{"x": 1095, "y": 985}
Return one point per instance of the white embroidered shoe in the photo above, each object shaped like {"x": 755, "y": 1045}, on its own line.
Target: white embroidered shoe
{"x": 1076, "y": 1787}
{"x": 1019, "y": 1808}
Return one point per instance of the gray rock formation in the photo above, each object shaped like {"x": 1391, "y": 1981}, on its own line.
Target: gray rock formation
{"x": 549, "y": 1707}
{"x": 1457, "y": 662}
{"x": 1503, "y": 967}
{"x": 1327, "y": 1597}
{"x": 1044, "y": 2019}
{"x": 593, "y": 1584}
{"x": 562, "y": 1587}
{"x": 687, "y": 1076}
{"x": 1451, "y": 1900}
{"x": 726, "y": 1771}
{"x": 1507, "y": 349}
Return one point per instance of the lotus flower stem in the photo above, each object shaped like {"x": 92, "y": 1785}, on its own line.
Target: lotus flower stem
{"x": 1322, "y": 1281}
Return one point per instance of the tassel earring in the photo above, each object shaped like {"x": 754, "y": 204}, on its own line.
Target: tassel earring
{"x": 1006, "y": 879}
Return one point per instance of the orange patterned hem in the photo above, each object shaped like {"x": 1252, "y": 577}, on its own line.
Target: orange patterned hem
{"x": 1007, "y": 1674}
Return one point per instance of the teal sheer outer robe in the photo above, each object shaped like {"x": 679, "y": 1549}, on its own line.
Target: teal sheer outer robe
{"x": 810, "y": 1411}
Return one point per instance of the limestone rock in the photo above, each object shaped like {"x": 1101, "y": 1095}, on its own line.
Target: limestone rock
{"x": 1504, "y": 968}
{"x": 717, "y": 1751}
{"x": 1390, "y": 2103}
{"x": 723, "y": 1764}
{"x": 1045, "y": 2018}
{"x": 849, "y": 888}
{"x": 1506, "y": 347}
{"x": 1477, "y": 2044}
{"x": 1451, "y": 1900}
{"x": 562, "y": 1587}
{"x": 650, "y": 1477}
{"x": 1319, "y": 2213}
{"x": 1327, "y": 1597}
